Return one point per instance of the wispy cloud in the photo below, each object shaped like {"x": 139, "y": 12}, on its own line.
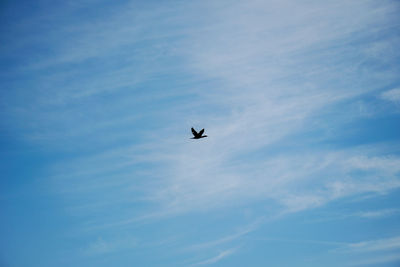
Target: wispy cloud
{"x": 373, "y": 251}
{"x": 365, "y": 214}
{"x": 101, "y": 246}
{"x": 217, "y": 258}
{"x": 377, "y": 213}
{"x": 377, "y": 260}
{"x": 392, "y": 95}
{"x": 229, "y": 238}
{"x": 392, "y": 243}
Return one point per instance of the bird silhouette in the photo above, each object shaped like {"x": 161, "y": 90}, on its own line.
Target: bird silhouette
{"x": 198, "y": 135}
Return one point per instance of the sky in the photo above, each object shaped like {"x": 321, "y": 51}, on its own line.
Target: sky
{"x": 300, "y": 101}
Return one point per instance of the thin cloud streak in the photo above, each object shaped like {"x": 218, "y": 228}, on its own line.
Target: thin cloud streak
{"x": 377, "y": 260}
{"x": 217, "y": 258}
{"x": 392, "y": 95}
{"x": 377, "y": 213}
{"x": 392, "y": 243}
{"x": 239, "y": 234}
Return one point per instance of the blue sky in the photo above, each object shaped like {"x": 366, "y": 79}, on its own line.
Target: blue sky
{"x": 300, "y": 100}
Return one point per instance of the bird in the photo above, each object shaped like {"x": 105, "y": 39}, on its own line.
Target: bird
{"x": 198, "y": 135}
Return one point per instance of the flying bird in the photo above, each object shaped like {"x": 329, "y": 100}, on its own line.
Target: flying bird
{"x": 198, "y": 135}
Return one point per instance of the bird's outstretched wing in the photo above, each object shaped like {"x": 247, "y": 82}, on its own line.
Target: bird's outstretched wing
{"x": 201, "y": 132}
{"x": 194, "y": 132}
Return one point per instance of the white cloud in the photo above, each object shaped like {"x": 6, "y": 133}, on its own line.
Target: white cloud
{"x": 377, "y": 260}
{"x": 376, "y": 251}
{"x": 297, "y": 182}
{"x": 101, "y": 246}
{"x": 392, "y": 243}
{"x": 238, "y": 234}
{"x": 377, "y": 213}
{"x": 217, "y": 258}
{"x": 392, "y": 95}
